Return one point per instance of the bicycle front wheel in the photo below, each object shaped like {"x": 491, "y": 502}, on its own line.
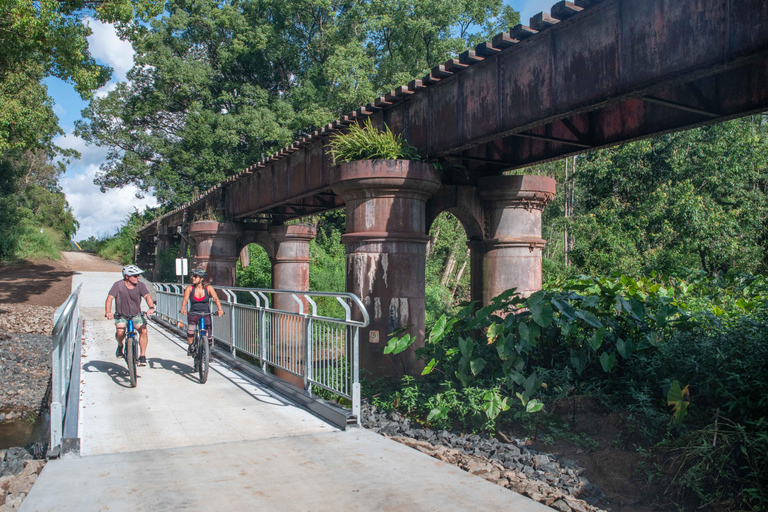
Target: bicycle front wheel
{"x": 204, "y": 354}
{"x": 130, "y": 359}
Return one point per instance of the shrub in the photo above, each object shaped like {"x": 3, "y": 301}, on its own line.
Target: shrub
{"x": 367, "y": 143}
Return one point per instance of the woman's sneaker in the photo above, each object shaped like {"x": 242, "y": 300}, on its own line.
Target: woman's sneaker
{"x": 143, "y": 361}
{"x": 119, "y": 351}
{"x": 190, "y": 351}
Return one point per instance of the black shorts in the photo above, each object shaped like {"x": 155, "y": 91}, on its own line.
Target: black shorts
{"x": 193, "y": 319}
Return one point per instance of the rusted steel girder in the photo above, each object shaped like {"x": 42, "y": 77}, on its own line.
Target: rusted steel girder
{"x": 592, "y": 74}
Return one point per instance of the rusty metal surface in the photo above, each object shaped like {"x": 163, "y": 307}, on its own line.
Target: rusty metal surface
{"x": 600, "y": 74}
{"x": 512, "y": 245}
{"x": 386, "y": 251}
{"x": 217, "y": 250}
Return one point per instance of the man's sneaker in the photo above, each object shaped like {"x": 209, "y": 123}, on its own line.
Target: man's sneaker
{"x": 190, "y": 351}
{"x": 143, "y": 361}
{"x": 119, "y": 351}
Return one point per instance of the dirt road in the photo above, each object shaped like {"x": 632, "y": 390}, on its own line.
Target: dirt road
{"x": 47, "y": 282}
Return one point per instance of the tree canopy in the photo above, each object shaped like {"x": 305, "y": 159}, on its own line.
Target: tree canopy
{"x": 217, "y": 86}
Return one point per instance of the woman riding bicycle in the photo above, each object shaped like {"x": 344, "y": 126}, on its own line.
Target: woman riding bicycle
{"x": 199, "y": 293}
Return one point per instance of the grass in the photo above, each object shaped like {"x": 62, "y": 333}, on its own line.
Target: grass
{"x": 36, "y": 242}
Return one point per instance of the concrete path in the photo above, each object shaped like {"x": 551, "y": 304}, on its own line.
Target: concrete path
{"x": 230, "y": 444}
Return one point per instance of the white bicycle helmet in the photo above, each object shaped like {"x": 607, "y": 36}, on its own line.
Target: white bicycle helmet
{"x": 131, "y": 270}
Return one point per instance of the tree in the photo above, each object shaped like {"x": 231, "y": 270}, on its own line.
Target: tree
{"x": 218, "y": 86}
{"x": 48, "y": 38}
{"x": 693, "y": 199}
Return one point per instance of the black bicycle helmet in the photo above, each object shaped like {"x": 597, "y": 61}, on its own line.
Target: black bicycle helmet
{"x": 199, "y": 273}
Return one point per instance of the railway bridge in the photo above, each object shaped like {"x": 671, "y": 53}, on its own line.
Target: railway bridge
{"x": 587, "y": 75}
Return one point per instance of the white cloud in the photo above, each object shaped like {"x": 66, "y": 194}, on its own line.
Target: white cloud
{"x": 90, "y": 155}
{"x": 59, "y": 109}
{"x": 100, "y": 214}
{"x": 102, "y": 93}
{"x": 109, "y": 49}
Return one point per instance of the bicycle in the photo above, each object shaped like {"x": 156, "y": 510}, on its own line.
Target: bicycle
{"x": 132, "y": 351}
{"x": 201, "y": 351}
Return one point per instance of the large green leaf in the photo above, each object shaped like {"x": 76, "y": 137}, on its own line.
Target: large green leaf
{"x": 493, "y": 404}
{"x": 533, "y": 406}
{"x": 590, "y": 318}
{"x": 565, "y": 308}
{"x": 429, "y": 367}
{"x": 597, "y": 338}
{"x": 542, "y": 314}
{"x": 398, "y": 345}
{"x": 578, "y": 361}
{"x": 477, "y": 365}
{"x": 607, "y": 361}
{"x": 466, "y": 345}
{"x": 624, "y": 348}
{"x": 494, "y": 331}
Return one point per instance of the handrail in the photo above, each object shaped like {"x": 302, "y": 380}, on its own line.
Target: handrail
{"x": 65, "y": 376}
{"x": 320, "y": 350}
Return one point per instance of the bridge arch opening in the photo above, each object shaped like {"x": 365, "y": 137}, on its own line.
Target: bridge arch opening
{"x": 254, "y": 268}
{"x": 449, "y": 262}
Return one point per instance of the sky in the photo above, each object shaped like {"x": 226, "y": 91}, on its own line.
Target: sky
{"x": 102, "y": 214}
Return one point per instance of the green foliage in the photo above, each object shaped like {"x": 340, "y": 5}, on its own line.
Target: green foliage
{"x": 120, "y": 247}
{"x": 31, "y": 200}
{"x": 258, "y": 273}
{"x": 632, "y": 340}
{"x": 35, "y": 242}
{"x": 368, "y": 143}
{"x": 692, "y": 199}
{"x": 218, "y": 86}
{"x": 46, "y": 38}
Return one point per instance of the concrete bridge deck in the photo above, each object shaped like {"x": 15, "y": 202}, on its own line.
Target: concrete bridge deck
{"x": 174, "y": 444}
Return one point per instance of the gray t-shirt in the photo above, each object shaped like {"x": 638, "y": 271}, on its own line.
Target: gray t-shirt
{"x": 128, "y": 302}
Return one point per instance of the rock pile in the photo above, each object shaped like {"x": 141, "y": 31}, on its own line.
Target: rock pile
{"x": 18, "y": 318}
{"x": 541, "y": 477}
{"x": 18, "y": 472}
{"x": 25, "y": 371}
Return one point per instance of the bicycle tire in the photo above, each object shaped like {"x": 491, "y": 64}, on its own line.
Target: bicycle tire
{"x": 205, "y": 356}
{"x": 130, "y": 359}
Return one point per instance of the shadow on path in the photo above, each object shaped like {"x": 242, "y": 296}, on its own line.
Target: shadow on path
{"x": 118, "y": 373}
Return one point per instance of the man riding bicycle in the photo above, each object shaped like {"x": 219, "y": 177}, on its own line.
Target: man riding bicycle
{"x": 127, "y": 295}
{"x": 198, "y": 294}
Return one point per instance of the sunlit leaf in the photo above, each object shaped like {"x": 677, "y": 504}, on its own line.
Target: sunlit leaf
{"x": 679, "y": 399}
{"x": 494, "y": 331}
{"x": 430, "y": 366}
{"x": 533, "y": 406}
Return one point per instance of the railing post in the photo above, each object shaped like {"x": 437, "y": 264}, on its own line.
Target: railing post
{"x": 56, "y": 418}
{"x": 232, "y": 324}
{"x": 356, "y": 374}
{"x": 307, "y": 354}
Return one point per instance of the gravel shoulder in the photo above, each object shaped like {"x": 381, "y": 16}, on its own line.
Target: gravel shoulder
{"x": 30, "y": 292}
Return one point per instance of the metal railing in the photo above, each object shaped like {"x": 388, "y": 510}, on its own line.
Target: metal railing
{"x": 65, "y": 375}
{"x": 321, "y": 350}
